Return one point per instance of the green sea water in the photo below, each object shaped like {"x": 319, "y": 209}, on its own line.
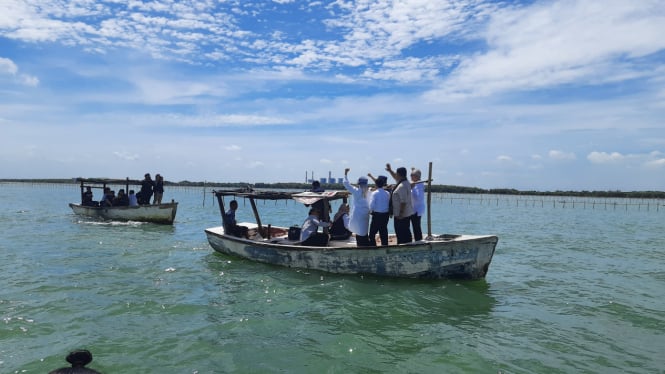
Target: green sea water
{"x": 571, "y": 289}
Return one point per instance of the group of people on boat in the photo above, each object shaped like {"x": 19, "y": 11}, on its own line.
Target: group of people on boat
{"x": 368, "y": 216}
{"x": 150, "y": 187}
{"x": 371, "y": 211}
{"x": 109, "y": 197}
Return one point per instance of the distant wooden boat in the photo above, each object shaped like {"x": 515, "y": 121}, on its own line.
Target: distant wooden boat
{"x": 154, "y": 213}
{"x": 435, "y": 257}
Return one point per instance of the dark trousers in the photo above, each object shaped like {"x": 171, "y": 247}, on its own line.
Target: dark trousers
{"x": 239, "y": 231}
{"x": 317, "y": 239}
{"x": 362, "y": 241}
{"x": 402, "y": 230}
{"x": 415, "y": 224}
{"x": 379, "y": 224}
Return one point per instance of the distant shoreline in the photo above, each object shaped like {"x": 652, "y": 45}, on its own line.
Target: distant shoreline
{"x": 435, "y": 188}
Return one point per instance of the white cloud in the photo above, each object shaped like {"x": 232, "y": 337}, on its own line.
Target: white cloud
{"x": 344, "y": 80}
{"x": 657, "y": 163}
{"x": 28, "y": 80}
{"x": 552, "y": 43}
{"x": 604, "y": 157}
{"x": 126, "y": 156}
{"x": 561, "y": 155}
{"x": 232, "y": 147}
{"x": 8, "y": 66}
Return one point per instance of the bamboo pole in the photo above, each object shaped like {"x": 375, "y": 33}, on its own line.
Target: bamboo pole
{"x": 429, "y": 202}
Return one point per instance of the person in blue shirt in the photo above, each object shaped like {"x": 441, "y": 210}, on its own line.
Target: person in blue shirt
{"x": 132, "y": 199}
{"x": 231, "y": 227}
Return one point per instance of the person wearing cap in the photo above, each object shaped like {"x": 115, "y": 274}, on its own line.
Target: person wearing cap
{"x": 321, "y": 204}
{"x": 402, "y": 205}
{"x": 418, "y": 200}
{"x": 379, "y": 203}
{"x": 359, "y": 217}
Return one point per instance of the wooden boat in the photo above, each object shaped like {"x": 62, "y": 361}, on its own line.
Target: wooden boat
{"x": 155, "y": 213}
{"x": 435, "y": 257}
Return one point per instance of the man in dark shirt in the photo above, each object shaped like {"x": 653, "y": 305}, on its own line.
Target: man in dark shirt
{"x": 145, "y": 194}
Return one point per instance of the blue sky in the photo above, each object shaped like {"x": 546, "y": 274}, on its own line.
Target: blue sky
{"x": 533, "y": 95}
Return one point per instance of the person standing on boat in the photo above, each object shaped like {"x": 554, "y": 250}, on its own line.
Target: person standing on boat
{"x": 379, "y": 203}
{"x": 359, "y": 219}
{"x": 230, "y": 225}
{"x": 147, "y": 186}
{"x": 402, "y": 205}
{"x": 158, "y": 189}
{"x": 418, "y": 200}
{"x": 309, "y": 234}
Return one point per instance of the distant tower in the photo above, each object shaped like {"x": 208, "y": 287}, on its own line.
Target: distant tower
{"x": 330, "y": 176}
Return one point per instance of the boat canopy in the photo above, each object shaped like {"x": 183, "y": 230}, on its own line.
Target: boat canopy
{"x": 307, "y": 198}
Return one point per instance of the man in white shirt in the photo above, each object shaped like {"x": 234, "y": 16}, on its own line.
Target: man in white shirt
{"x": 379, "y": 203}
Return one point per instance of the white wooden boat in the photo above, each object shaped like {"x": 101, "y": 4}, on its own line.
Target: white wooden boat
{"x": 154, "y": 213}
{"x": 435, "y": 257}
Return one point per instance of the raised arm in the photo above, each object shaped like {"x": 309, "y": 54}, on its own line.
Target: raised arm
{"x": 392, "y": 173}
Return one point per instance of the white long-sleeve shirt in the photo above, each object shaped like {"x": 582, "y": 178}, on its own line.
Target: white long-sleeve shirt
{"x": 310, "y": 226}
{"x": 418, "y": 198}
{"x": 359, "y": 216}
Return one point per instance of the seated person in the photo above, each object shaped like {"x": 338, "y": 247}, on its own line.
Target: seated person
{"x": 230, "y": 225}
{"x": 122, "y": 199}
{"x": 132, "y": 199}
{"x": 309, "y": 234}
{"x": 340, "y": 226}
{"x": 87, "y": 198}
{"x": 107, "y": 198}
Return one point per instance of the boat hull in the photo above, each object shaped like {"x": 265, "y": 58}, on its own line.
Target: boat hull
{"x": 158, "y": 213}
{"x": 445, "y": 257}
